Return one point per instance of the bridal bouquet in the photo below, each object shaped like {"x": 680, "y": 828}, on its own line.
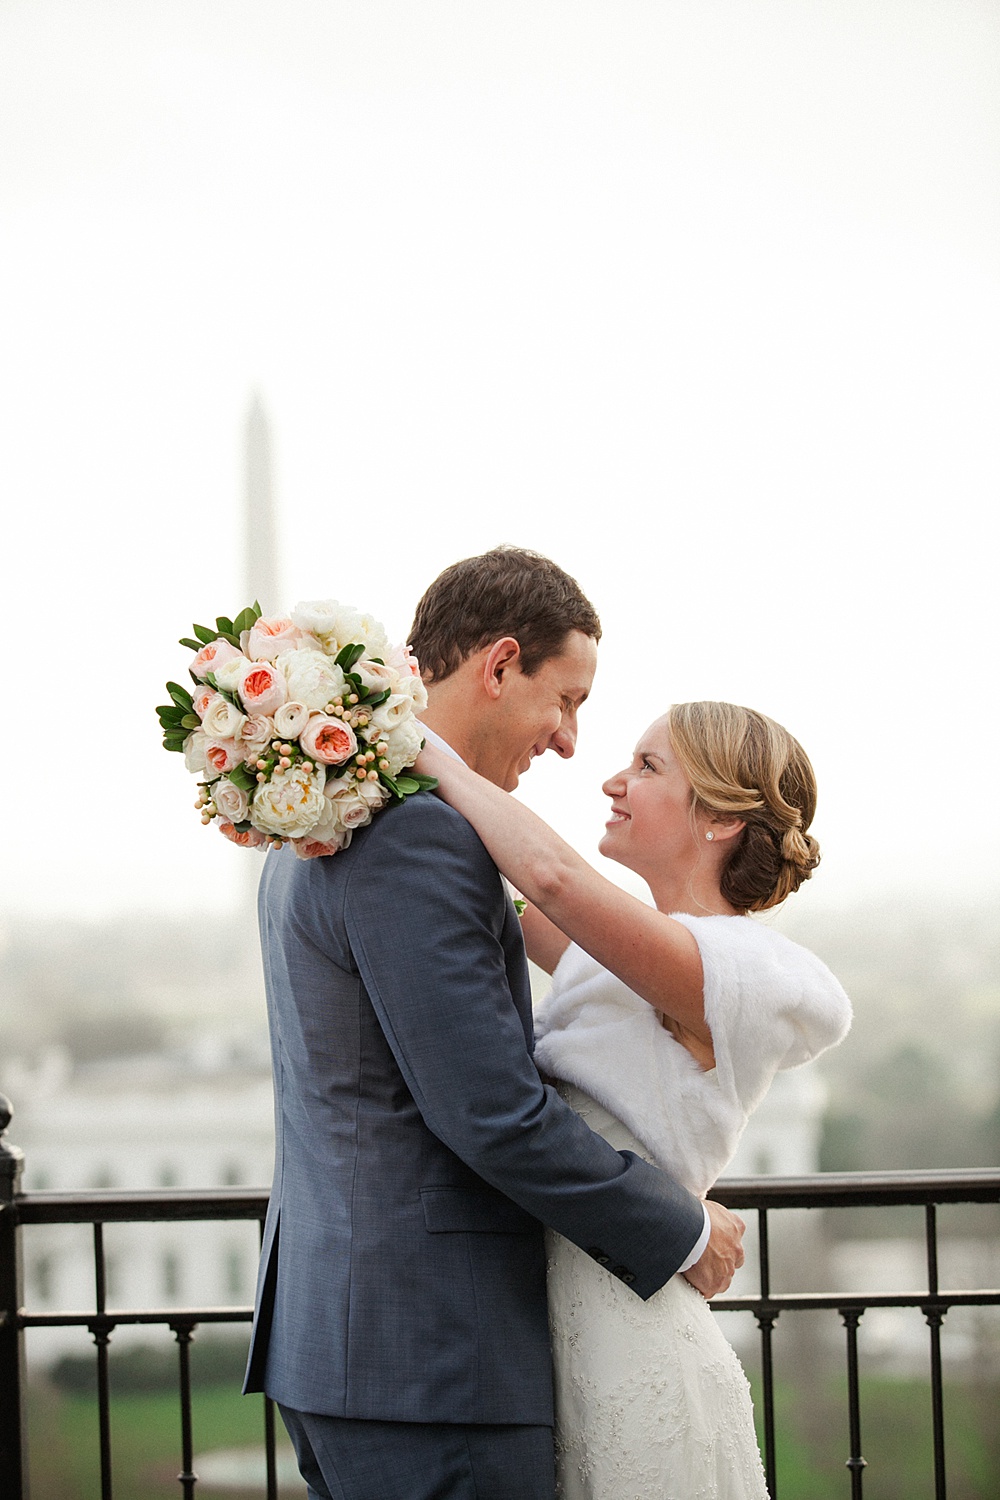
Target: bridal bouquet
{"x": 299, "y": 728}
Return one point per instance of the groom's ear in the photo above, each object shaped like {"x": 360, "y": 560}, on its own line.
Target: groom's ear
{"x": 498, "y": 661}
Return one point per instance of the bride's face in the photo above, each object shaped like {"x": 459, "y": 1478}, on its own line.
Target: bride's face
{"x": 651, "y": 820}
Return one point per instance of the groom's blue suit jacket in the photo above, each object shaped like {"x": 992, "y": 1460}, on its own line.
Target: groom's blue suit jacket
{"x": 418, "y": 1154}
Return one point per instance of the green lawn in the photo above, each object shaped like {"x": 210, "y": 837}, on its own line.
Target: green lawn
{"x": 811, "y": 1421}
{"x": 145, "y": 1442}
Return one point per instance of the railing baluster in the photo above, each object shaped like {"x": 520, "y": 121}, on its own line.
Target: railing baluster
{"x": 935, "y": 1316}
{"x": 269, "y": 1453}
{"x": 184, "y": 1332}
{"x": 856, "y": 1464}
{"x": 13, "y": 1382}
{"x": 101, "y": 1330}
{"x": 766, "y": 1319}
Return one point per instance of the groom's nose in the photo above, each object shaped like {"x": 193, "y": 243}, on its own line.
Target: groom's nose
{"x": 563, "y": 742}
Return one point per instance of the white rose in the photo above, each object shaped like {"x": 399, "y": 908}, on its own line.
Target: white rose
{"x": 194, "y": 751}
{"x": 291, "y": 803}
{"x": 312, "y": 678}
{"x": 229, "y": 674}
{"x": 290, "y": 720}
{"x": 221, "y": 720}
{"x": 403, "y": 745}
{"x": 231, "y": 801}
{"x": 390, "y": 714}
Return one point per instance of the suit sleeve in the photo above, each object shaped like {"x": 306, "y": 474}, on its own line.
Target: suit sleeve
{"x": 424, "y": 910}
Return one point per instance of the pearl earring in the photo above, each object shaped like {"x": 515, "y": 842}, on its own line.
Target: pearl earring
{"x": 710, "y": 836}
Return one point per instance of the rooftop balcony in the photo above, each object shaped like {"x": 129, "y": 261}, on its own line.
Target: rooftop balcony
{"x": 784, "y": 1215}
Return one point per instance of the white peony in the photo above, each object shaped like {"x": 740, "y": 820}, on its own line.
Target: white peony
{"x": 291, "y": 803}
{"x": 338, "y": 625}
{"x": 403, "y": 745}
{"x": 312, "y": 678}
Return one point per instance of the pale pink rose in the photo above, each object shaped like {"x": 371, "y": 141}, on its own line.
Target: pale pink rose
{"x": 376, "y": 677}
{"x": 290, "y": 720}
{"x": 256, "y": 734}
{"x": 222, "y": 755}
{"x": 403, "y": 659}
{"x": 202, "y": 698}
{"x": 215, "y": 654}
{"x": 231, "y": 801}
{"x": 310, "y": 848}
{"x": 262, "y": 688}
{"x": 327, "y": 740}
{"x": 266, "y": 640}
{"x": 249, "y": 839}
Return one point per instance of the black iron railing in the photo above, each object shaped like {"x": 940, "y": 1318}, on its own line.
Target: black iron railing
{"x": 19, "y": 1211}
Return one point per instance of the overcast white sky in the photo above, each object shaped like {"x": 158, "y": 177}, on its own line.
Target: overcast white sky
{"x": 701, "y": 297}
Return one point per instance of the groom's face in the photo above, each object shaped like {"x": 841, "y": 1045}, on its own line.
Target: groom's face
{"x": 538, "y": 713}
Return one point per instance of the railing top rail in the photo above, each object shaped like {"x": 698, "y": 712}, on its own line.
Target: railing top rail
{"x": 118, "y": 1207}
{"x": 854, "y": 1189}
{"x": 822, "y": 1190}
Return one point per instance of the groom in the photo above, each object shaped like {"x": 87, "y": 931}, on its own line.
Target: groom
{"x": 401, "y": 1319}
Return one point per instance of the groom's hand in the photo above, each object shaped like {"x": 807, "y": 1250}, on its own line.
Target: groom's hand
{"x": 723, "y": 1254}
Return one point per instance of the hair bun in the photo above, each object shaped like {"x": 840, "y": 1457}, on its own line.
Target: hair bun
{"x": 800, "y": 849}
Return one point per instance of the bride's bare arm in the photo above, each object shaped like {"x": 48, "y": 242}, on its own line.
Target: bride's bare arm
{"x": 654, "y": 955}
{"x": 545, "y": 942}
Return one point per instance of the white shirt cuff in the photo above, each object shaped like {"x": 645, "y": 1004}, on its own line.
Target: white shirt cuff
{"x": 700, "y": 1244}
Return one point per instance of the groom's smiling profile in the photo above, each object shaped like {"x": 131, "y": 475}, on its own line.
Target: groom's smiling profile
{"x": 400, "y": 1317}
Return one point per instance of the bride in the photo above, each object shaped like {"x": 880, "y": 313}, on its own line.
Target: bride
{"x": 664, "y": 1028}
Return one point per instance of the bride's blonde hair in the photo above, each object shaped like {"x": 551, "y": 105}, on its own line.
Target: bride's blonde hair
{"x": 743, "y": 765}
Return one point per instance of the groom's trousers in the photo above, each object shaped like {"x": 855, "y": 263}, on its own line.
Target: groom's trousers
{"x": 343, "y": 1459}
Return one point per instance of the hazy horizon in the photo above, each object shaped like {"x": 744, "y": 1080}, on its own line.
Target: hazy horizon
{"x": 701, "y": 300}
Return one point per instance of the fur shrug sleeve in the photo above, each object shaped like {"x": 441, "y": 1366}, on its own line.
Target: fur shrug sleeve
{"x": 769, "y": 1004}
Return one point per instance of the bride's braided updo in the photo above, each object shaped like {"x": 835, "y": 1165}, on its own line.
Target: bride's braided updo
{"x": 743, "y": 765}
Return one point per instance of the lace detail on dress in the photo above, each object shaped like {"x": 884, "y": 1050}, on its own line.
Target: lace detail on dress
{"x": 651, "y": 1401}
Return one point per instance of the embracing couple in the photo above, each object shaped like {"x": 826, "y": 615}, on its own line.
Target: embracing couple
{"x": 483, "y": 1226}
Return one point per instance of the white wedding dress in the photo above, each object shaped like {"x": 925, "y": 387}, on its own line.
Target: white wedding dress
{"x": 651, "y": 1401}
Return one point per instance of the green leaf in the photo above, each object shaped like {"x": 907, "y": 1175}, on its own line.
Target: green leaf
{"x": 169, "y": 711}
{"x": 180, "y": 695}
{"x": 423, "y": 783}
{"x": 244, "y": 621}
{"x": 186, "y": 640}
{"x": 227, "y": 635}
{"x": 244, "y": 779}
{"x": 349, "y": 654}
{"x": 190, "y": 721}
{"x": 205, "y": 634}
{"x": 224, "y": 625}
{"x": 375, "y": 699}
{"x": 387, "y": 780}
{"x": 172, "y": 741}
{"x": 171, "y": 746}
{"x": 243, "y": 827}
{"x": 406, "y": 786}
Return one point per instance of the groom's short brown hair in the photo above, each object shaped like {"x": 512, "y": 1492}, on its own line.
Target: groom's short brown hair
{"x": 507, "y": 591}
